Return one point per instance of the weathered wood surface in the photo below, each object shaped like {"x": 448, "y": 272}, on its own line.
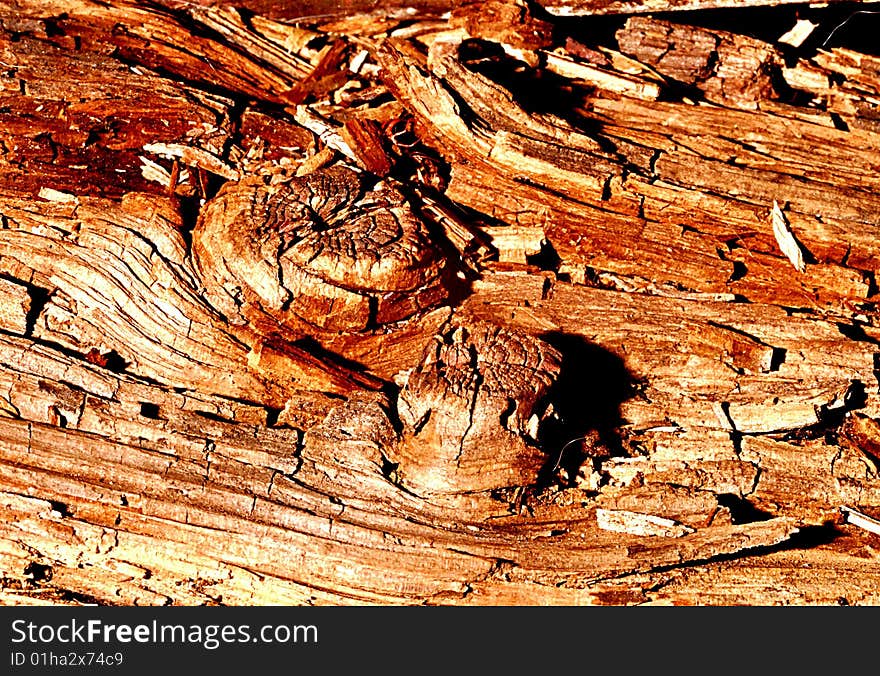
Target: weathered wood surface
{"x": 538, "y": 344}
{"x": 598, "y": 7}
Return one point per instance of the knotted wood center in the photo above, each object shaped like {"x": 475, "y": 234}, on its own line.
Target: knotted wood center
{"x": 320, "y": 253}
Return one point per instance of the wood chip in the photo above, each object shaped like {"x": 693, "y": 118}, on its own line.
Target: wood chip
{"x": 15, "y": 304}
{"x": 52, "y": 195}
{"x": 153, "y": 171}
{"x": 634, "y": 523}
{"x": 798, "y": 33}
{"x": 194, "y": 157}
{"x": 324, "y": 130}
{"x": 785, "y": 238}
{"x": 612, "y": 82}
{"x": 856, "y": 518}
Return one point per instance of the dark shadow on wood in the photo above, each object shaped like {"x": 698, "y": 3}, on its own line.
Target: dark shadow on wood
{"x": 741, "y": 510}
{"x": 592, "y": 384}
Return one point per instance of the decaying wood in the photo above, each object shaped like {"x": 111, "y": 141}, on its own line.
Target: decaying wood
{"x": 441, "y": 306}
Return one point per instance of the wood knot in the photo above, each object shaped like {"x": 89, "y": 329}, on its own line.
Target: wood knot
{"x": 471, "y": 411}
{"x": 318, "y": 253}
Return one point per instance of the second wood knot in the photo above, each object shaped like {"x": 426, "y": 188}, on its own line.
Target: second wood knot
{"x": 472, "y": 410}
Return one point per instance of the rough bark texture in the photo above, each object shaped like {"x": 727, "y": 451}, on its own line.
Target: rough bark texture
{"x": 417, "y": 307}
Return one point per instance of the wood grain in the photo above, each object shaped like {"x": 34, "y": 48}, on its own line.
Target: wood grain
{"x": 393, "y": 307}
